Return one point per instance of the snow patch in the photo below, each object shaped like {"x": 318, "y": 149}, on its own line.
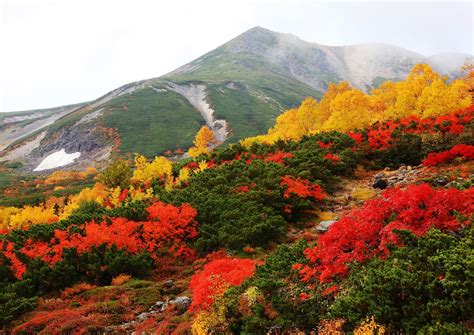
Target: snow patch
{"x": 57, "y": 159}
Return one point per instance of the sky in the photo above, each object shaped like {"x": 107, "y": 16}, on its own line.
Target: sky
{"x": 57, "y": 52}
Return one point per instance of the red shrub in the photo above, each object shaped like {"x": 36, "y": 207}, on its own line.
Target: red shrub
{"x": 301, "y": 188}
{"x": 216, "y": 277}
{"x": 73, "y": 321}
{"x": 366, "y": 232}
{"x": 16, "y": 266}
{"x": 357, "y": 137}
{"x": 332, "y": 158}
{"x": 325, "y": 145}
{"x": 460, "y": 150}
{"x": 167, "y": 231}
{"x": 278, "y": 157}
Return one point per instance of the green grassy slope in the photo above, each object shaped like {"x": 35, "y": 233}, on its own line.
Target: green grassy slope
{"x": 151, "y": 122}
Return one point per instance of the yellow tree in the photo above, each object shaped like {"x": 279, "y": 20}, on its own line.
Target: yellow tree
{"x": 349, "y": 110}
{"x": 383, "y": 99}
{"x": 410, "y": 90}
{"x": 144, "y": 171}
{"x": 332, "y": 92}
{"x": 307, "y": 117}
{"x": 204, "y": 138}
{"x": 440, "y": 98}
{"x": 285, "y": 127}
{"x": 468, "y": 68}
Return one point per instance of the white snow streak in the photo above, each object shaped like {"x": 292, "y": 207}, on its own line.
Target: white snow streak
{"x": 57, "y": 159}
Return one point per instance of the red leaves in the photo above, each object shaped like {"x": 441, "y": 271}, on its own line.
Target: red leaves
{"x": 460, "y": 150}
{"x": 379, "y": 139}
{"x": 216, "y": 277}
{"x": 357, "y": 137}
{"x": 123, "y": 195}
{"x": 166, "y": 233}
{"x": 325, "y": 145}
{"x": 330, "y": 290}
{"x": 366, "y": 232}
{"x": 332, "y": 158}
{"x": 278, "y": 157}
{"x": 301, "y": 188}
{"x": 380, "y": 134}
{"x": 17, "y": 266}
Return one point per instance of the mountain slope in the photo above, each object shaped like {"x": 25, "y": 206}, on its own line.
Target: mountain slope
{"x": 236, "y": 89}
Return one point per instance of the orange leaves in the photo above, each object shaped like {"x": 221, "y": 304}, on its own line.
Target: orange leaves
{"x": 203, "y": 140}
{"x": 301, "y": 188}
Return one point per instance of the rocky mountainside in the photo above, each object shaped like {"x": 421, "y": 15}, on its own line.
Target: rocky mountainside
{"x": 236, "y": 89}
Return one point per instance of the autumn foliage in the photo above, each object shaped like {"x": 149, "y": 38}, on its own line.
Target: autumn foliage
{"x": 217, "y": 276}
{"x": 301, "y": 188}
{"x": 423, "y": 94}
{"x": 460, "y": 150}
{"x": 367, "y": 232}
{"x": 165, "y": 234}
{"x": 203, "y": 140}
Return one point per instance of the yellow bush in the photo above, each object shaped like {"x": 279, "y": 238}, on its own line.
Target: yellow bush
{"x": 369, "y": 327}
{"x": 145, "y": 172}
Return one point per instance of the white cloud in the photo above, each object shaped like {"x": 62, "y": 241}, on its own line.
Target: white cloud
{"x": 60, "y": 52}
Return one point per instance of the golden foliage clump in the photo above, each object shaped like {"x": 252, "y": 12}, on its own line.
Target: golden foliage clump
{"x": 61, "y": 176}
{"x": 370, "y": 327}
{"x": 183, "y": 175}
{"x": 363, "y": 193}
{"x": 97, "y": 193}
{"x": 212, "y": 321}
{"x": 11, "y": 217}
{"x": 203, "y": 140}
{"x": 144, "y": 172}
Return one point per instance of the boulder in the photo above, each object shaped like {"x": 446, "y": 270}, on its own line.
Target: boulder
{"x": 323, "y": 226}
{"x": 380, "y": 184}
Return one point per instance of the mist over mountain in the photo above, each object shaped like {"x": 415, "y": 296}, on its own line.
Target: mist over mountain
{"x": 237, "y": 89}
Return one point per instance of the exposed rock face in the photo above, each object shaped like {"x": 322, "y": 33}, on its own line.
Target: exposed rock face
{"x": 196, "y": 95}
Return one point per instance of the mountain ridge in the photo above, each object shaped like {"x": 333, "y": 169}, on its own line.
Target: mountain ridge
{"x": 237, "y": 89}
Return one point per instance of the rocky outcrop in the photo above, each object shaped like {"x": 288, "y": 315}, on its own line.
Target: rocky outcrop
{"x": 403, "y": 176}
{"x": 180, "y": 304}
{"x": 197, "y": 96}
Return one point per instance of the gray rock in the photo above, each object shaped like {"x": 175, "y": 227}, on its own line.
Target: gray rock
{"x": 143, "y": 316}
{"x": 324, "y": 225}
{"x": 441, "y": 181}
{"x": 158, "y": 306}
{"x": 182, "y": 303}
{"x": 168, "y": 283}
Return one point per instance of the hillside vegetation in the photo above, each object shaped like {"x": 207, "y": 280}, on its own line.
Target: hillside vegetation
{"x": 331, "y": 223}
